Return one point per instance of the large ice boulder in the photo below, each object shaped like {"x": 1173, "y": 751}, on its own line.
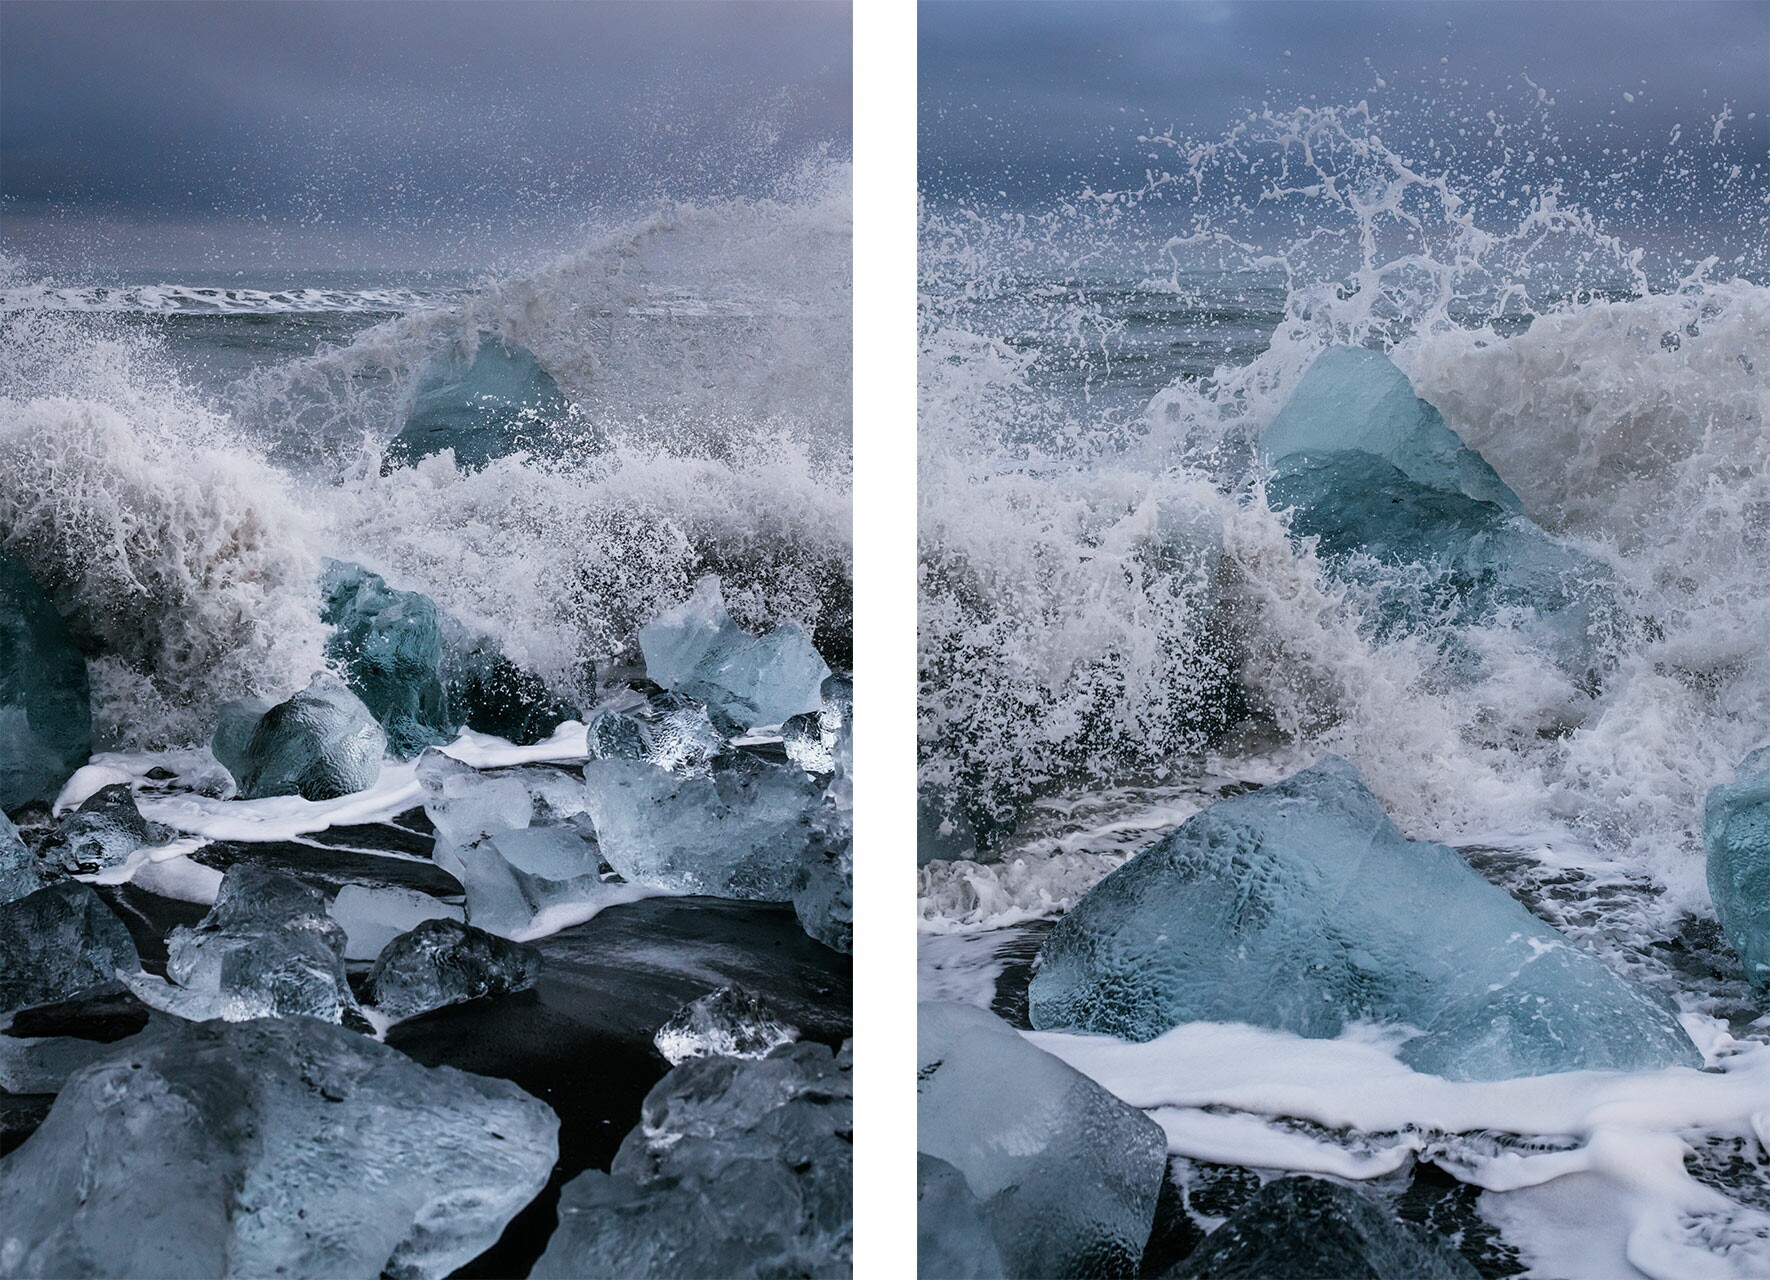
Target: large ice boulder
{"x": 482, "y": 404}
{"x": 739, "y": 832}
{"x": 739, "y": 1168}
{"x": 1301, "y": 907}
{"x": 281, "y": 1148}
{"x": 45, "y": 703}
{"x": 1736, "y": 834}
{"x": 267, "y": 948}
{"x": 389, "y": 645}
{"x": 1067, "y": 1175}
{"x": 444, "y": 962}
{"x": 58, "y": 942}
{"x": 518, "y": 842}
{"x": 696, "y": 649}
{"x": 320, "y": 744}
{"x": 1399, "y": 507}
{"x": 1311, "y": 1227}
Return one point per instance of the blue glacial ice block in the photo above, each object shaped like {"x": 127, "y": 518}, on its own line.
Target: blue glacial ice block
{"x": 1301, "y": 907}
{"x": 740, "y": 831}
{"x": 498, "y": 401}
{"x": 1355, "y": 400}
{"x": 45, "y": 704}
{"x": 1736, "y": 833}
{"x": 320, "y": 744}
{"x": 1066, "y": 1173}
{"x": 696, "y": 649}
{"x": 389, "y": 645}
{"x": 285, "y": 1147}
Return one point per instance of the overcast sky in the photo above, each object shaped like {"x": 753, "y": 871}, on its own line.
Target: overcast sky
{"x": 1038, "y": 100}
{"x": 381, "y": 132}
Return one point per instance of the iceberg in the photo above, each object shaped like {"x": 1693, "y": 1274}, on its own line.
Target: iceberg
{"x": 289, "y": 1148}
{"x": 389, "y": 646}
{"x": 444, "y": 962}
{"x": 374, "y": 915}
{"x": 1736, "y": 837}
{"x": 494, "y": 402}
{"x": 45, "y": 704}
{"x": 740, "y": 832}
{"x": 738, "y": 1168}
{"x": 267, "y": 948}
{"x": 320, "y": 744}
{"x": 59, "y": 942}
{"x": 1300, "y": 907}
{"x": 1312, "y": 1227}
{"x": 1066, "y": 1174}
{"x": 732, "y": 1022}
{"x": 104, "y": 830}
{"x": 953, "y": 1242}
{"x": 696, "y": 649}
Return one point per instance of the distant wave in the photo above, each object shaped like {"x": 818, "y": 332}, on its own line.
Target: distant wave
{"x": 190, "y": 299}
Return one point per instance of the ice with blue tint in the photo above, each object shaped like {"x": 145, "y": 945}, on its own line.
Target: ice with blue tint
{"x": 284, "y": 1148}
{"x": 491, "y": 694}
{"x": 739, "y": 1168}
{"x": 1400, "y": 508}
{"x": 58, "y": 942}
{"x": 732, "y": 1022}
{"x": 373, "y": 915}
{"x": 104, "y": 830}
{"x": 496, "y": 402}
{"x": 810, "y": 737}
{"x": 267, "y": 948}
{"x": 739, "y": 831}
{"x": 1301, "y": 907}
{"x": 1736, "y": 833}
{"x": 823, "y": 888}
{"x": 517, "y": 841}
{"x": 45, "y": 703}
{"x": 389, "y": 645}
{"x": 953, "y": 1242}
{"x": 696, "y": 649}
{"x": 320, "y": 744}
{"x": 1353, "y": 399}
{"x": 444, "y": 962}
{"x": 21, "y": 870}
{"x": 671, "y": 731}
{"x": 1067, "y": 1175}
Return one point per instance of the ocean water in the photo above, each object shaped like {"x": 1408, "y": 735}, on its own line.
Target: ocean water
{"x": 1117, "y": 630}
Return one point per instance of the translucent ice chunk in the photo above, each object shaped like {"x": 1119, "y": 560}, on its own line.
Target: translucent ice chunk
{"x": 389, "y": 645}
{"x": 1067, "y": 1174}
{"x": 670, "y": 731}
{"x": 374, "y": 915}
{"x": 320, "y": 744}
{"x": 58, "y": 942}
{"x": 1301, "y": 907}
{"x": 1311, "y": 1227}
{"x": 45, "y": 706}
{"x": 444, "y": 962}
{"x": 103, "y": 831}
{"x": 267, "y": 948}
{"x": 739, "y": 833}
{"x": 491, "y": 694}
{"x": 811, "y": 737}
{"x": 732, "y": 1022}
{"x": 21, "y": 871}
{"x": 497, "y": 401}
{"x": 953, "y": 1242}
{"x": 1355, "y": 399}
{"x": 288, "y": 1148}
{"x": 738, "y": 1168}
{"x": 1736, "y": 834}
{"x": 698, "y": 650}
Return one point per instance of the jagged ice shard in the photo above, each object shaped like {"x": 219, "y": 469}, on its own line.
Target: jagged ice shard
{"x": 696, "y": 649}
{"x": 45, "y": 703}
{"x": 1301, "y": 907}
{"x": 1401, "y": 508}
{"x": 320, "y": 744}
{"x": 1736, "y": 834}
{"x": 444, "y": 962}
{"x": 738, "y": 1168}
{"x": 1067, "y": 1175}
{"x": 498, "y": 401}
{"x": 361, "y": 1162}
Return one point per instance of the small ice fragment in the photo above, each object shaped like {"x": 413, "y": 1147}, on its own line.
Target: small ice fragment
{"x": 1736, "y": 835}
{"x": 1067, "y": 1174}
{"x": 103, "y": 831}
{"x": 320, "y": 744}
{"x": 58, "y": 942}
{"x": 45, "y": 708}
{"x": 731, "y": 1022}
{"x": 444, "y": 962}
